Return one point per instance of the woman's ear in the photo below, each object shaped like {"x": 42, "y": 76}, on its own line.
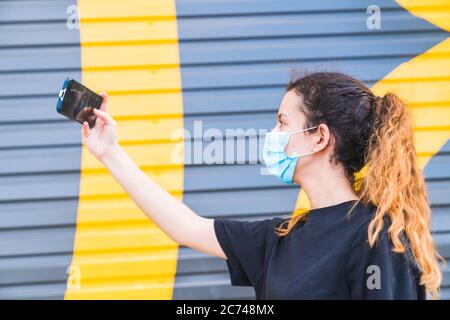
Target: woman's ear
{"x": 323, "y": 138}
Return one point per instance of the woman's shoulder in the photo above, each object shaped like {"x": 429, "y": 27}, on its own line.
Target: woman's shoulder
{"x": 383, "y": 243}
{"x": 361, "y": 217}
{"x": 254, "y": 228}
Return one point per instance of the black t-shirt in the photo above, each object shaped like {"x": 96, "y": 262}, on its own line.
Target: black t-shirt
{"x": 325, "y": 257}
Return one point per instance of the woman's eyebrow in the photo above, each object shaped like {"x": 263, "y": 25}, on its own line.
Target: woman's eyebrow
{"x": 282, "y": 115}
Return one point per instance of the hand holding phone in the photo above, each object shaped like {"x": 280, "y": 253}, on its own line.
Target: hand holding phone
{"x": 82, "y": 105}
{"x": 101, "y": 140}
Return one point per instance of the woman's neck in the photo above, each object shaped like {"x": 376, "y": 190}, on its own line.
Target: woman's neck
{"x": 326, "y": 186}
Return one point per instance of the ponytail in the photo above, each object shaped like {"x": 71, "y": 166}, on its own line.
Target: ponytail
{"x": 394, "y": 183}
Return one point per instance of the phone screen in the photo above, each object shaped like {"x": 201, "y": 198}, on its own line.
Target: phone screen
{"x": 77, "y": 102}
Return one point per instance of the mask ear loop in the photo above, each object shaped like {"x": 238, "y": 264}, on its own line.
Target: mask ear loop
{"x": 303, "y": 130}
{"x": 304, "y": 154}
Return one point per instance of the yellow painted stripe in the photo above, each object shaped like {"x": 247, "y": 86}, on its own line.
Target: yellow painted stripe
{"x": 436, "y": 12}
{"x": 133, "y": 9}
{"x": 130, "y": 50}
{"x": 424, "y": 83}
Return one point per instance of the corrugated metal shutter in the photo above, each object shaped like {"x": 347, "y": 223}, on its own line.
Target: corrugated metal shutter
{"x": 40, "y": 152}
{"x": 235, "y": 59}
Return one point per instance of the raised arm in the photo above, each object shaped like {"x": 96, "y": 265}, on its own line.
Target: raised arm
{"x": 176, "y": 219}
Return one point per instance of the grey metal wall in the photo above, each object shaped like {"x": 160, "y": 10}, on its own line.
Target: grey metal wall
{"x": 235, "y": 60}
{"x": 39, "y": 150}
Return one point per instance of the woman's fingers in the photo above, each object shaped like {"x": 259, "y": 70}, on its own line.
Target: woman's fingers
{"x": 104, "y": 106}
{"x": 105, "y": 117}
{"x": 85, "y": 131}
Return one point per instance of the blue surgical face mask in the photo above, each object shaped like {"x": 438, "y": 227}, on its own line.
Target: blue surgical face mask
{"x": 276, "y": 160}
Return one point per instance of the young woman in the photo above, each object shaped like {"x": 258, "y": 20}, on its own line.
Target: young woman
{"x": 367, "y": 234}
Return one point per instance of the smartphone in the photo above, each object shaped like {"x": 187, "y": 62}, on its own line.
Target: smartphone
{"x": 77, "y": 102}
